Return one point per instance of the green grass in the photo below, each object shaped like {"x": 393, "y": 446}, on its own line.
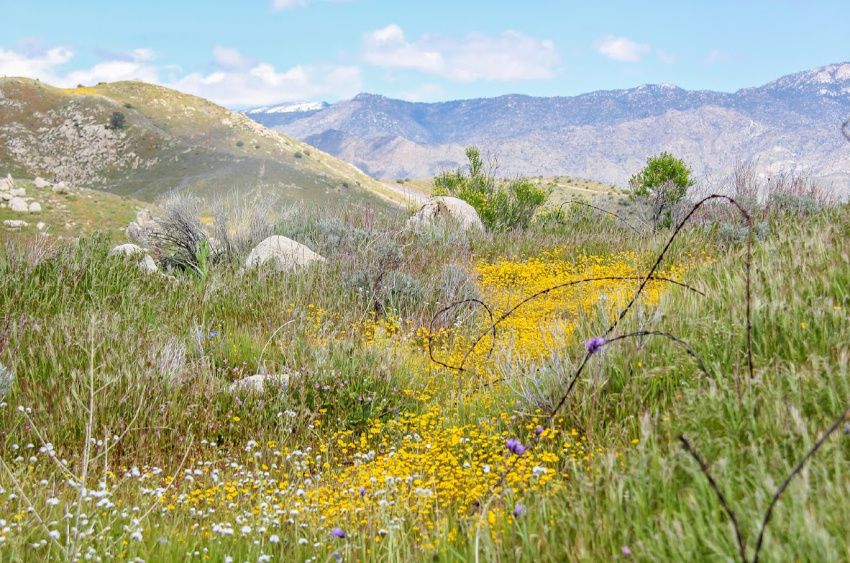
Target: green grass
{"x": 79, "y": 213}
{"x": 89, "y": 339}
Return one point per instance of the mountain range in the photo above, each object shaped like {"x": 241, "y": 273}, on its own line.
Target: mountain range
{"x": 791, "y": 125}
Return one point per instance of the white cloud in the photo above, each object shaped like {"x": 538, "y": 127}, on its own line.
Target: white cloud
{"x": 264, "y": 85}
{"x": 279, "y": 5}
{"x": 388, "y": 48}
{"x": 718, "y": 56}
{"x": 423, "y": 93}
{"x": 237, "y": 82}
{"x": 665, "y": 57}
{"x": 621, "y": 49}
{"x": 505, "y": 57}
{"x": 137, "y": 65}
{"x": 231, "y": 59}
{"x": 35, "y": 66}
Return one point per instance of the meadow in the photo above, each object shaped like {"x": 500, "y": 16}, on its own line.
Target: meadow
{"x": 403, "y": 426}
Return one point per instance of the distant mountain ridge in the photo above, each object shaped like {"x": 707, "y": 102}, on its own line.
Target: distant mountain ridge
{"x": 791, "y": 124}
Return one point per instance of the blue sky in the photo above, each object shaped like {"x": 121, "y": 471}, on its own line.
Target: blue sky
{"x": 258, "y": 52}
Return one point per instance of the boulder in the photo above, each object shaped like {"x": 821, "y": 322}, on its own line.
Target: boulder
{"x": 18, "y": 192}
{"x": 7, "y": 183}
{"x": 5, "y": 196}
{"x": 146, "y": 263}
{"x": 127, "y": 250}
{"x": 15, "y": 223}
{"x": 18, "y": 205}
{"x": 40, "y": 225}
{"x": 61, "y": 188}
{"x": 444, "y": 209}
{"x": 41, "y": 183}
{"x": 35, "y": 207}
{"x": 257, "y": 383}
{"x": 285, "y": 254}
{"x": 144, "y": 217}
{"x": 134, "y": 232}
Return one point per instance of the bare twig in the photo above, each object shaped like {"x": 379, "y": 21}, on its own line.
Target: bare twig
{"x": 513, "y": 309}
{"x": 703, "y": 466}
{"x": 32, "y": 508}
{"x": 667, "y": 335}
{"x": 781, "y": 489}
{"x": 576, "y": 202}
{"x": 658, "y": 261}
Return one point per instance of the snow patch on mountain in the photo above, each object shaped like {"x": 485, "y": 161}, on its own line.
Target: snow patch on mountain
{"x": 300, "y": 107}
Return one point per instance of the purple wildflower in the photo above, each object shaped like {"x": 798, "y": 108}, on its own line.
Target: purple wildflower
{"x": 594, "y": 344}
{"x": 514, "y": 446}
{"x": 626, "y": 550}
{"x": 362, "y": 491}
{"x": 538, "y": 431}
{"x": 337, "y": 532}
{"x": 519, "y": 509}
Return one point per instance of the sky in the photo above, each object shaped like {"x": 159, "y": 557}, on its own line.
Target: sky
{"x": 247, "y": 53}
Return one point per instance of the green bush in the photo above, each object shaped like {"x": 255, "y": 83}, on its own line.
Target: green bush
{"x": 662, "y": 183}
{"x": 500, "y": 205}
{"x": 117, "y": 120}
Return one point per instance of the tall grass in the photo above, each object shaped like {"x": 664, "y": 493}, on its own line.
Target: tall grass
{"x": 101, "y": 350}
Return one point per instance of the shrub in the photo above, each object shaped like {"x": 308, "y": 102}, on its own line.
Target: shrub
{"x": 298, "y": 155}
{"x": 116, "y": 120}
{"x": 176, "y": 234}
{"x": 329, "y": 236}
{"x": 662, "y": 183}
{"x": 239, "y": 227}
{"x": 500, "y": 205}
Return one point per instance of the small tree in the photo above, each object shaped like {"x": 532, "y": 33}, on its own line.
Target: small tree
{"x": 116, "y": 120}
{"x": 500, "y": 205}
{"x": 663, "y": 183}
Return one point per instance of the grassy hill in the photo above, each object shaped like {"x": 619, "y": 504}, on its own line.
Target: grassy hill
{"x": 80, "y": 213}
{"x": 564, "y": 188}
{"x": 140, "y": 140}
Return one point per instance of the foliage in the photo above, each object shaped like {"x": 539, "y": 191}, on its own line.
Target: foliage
{"x": 663, "y": 182}
{"x": 500, "y": 205}
{"x": 176, "y": 234}
{"x": 117, "y": 120}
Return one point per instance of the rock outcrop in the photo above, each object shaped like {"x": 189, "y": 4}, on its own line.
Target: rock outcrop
{"x": 443, "y": 209}
{"x": 285, "y": 254}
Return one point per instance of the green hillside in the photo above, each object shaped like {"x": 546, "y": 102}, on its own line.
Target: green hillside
{"x": 140, "y": 140}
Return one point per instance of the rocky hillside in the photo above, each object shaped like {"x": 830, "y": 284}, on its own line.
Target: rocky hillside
{"x": 140, "y": 140}
{"x": 789, "y": 125}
